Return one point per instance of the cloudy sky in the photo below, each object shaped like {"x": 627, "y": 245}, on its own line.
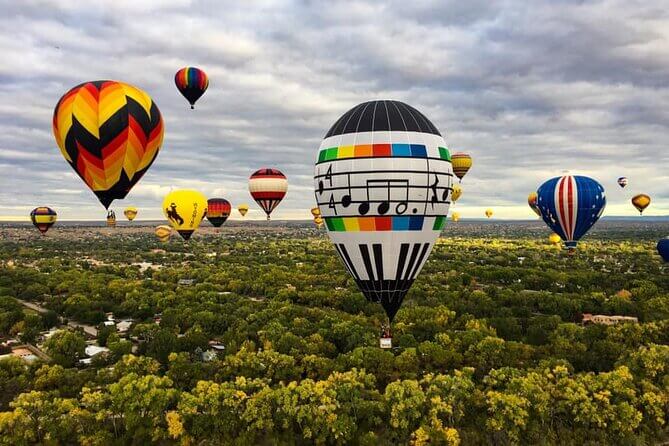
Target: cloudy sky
{"x": 530, "y": 89}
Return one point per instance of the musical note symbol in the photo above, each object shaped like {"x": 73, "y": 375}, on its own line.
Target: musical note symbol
{"x": 328, "y": 176}
{"x": 346, "y": 199}
{"x": 433, "y": 187}
{"x": 384, "y": 205}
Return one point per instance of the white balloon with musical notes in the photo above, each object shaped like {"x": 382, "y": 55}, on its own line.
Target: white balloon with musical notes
{"x": 383, "y": 183}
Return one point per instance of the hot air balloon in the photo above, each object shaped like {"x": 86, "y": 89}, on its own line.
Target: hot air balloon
{"x": 192, "y": 83}
{"x": 462, "y": 162}
{"x": 570, "y": 205}
{"x": 319, "y": 222}
{"x": 488, "y": 213}
{"x": 554, "y": 239}
{"x": 218, "y": 211}
{"x": 130, "y": 213}
{"x": 268, "y": 187}
{"x": 316, "y": 212}
{"x": 622, "y": 182}
{"x": 243, "y": 209}
{"x": 111, "y": 218}
{"x": 456, "y": 193}
{"x": 163, "y": 232}
{"x": 185, "y": 209}
{"x": 383, "y": 178}
{"x": 110, "y": 133}
{"x": 663, "y": 248}
{"x": 532, "y": 202}
{"x": 455, "y": 217}
{"x": 641, "y": 202}
{"x": 43, "y": 218}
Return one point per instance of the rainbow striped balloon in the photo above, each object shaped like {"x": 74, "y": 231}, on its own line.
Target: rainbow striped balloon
{"x": 192, "y": 83}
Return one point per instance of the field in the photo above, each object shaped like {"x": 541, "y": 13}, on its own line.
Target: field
{"x": 255, "y": 334}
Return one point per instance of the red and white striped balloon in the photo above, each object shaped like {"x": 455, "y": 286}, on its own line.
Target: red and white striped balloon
{"x": 268, "y": 187}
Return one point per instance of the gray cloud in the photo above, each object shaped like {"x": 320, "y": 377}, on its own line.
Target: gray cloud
{"x": 530, "y": 90}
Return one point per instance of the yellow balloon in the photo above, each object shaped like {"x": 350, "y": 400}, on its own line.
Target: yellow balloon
{"x": 488, "y": 213}
{"x": 319, "y": 221}
{"x": 163, "y": 232}
{"x": 457, "y": 191}
{"x": 315, "y": 212}
{"x": 554, "y": 239}
{"x": 640, "y": 202}
{"x": 455, "y": 216}
{"x": 185, "y": 209}
{"x": 243, "y": 209}
{"x": 130, "y": 213}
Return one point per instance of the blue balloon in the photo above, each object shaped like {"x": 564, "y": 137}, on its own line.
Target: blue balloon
{"x": 663, "y": 248}
{"x": 570, "y": 205}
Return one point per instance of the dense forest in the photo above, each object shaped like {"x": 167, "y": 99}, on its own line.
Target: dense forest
{"x": 489, "y": 347}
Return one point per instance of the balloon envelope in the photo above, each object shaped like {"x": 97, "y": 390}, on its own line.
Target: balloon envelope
{"x": 488, "y": 213}
{"x": 641, "y": 202}
{"x": 570, "y": 205}
{"x": 383, "y": 180}
{"x": 532, "y": 203}
{"x": 110, "y": 133}
{"x": 192, "y": 83}
{"x": 243, "y": 209}
{"x": 315, "y": 212}
{"x": 163, "y": 233}
{"x": 218, "y": 211}
{"x": 554, "y": 238}
{"x": 185, "y": 209}
{"x": 130, "y": 213}
{"x": 622, "y": 181}
{"x": 462, "y": 162}
{"x": 268, "y": 187}
{"x": 43, "y": 218}
{"x": 455, "y": 217}
{"x": 456, "y": 193}
{"x": 663, "y": 248}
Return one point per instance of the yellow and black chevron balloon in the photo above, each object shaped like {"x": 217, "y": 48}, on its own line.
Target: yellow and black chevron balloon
{"x": 110, "y": 132}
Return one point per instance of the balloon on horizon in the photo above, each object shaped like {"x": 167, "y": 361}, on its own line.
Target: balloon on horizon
{"x": 570, "y": 206}
{"x": 185, "y": 209}
{"x": 43, "y": 218}
{"x": 641, "y": 202}
{"x": 218, "y": 211}
{"x": 268, "y": 187}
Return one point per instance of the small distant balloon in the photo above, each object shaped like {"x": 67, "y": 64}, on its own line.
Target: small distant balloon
{"x": 488, "y": 213}
{"x": 268, "y": 187}
{"x": 243, "y": 209}
{"x": 641, "y": 202}
{"x": 455, "y": 217}
{"x": 218, "y": 211}
{"x": 554, "y": 239}
{"x": 43, "y": 218}
{"x": 185, "y": 209}
{"x": 192, "y": 83}
{"x": 532, "y": 202}
{"x": 130, "y": 213}
{"x": 456, "y": 193}
{"x": 622, "y": 182}
{"x": 163, "y": 233}
{"x": 461, "y": 162}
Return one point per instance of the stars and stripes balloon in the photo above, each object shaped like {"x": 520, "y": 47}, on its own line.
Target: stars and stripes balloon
{"x": 663, "y": 248}
{"x": 43, "y": 218}
{"x": 268, "y": 187}
{"x": 192, "y": 83}
{"x": 570, "y": 205}
{"x": 383, "y": 183}
{"x": 218, "y": 211}
{"x": 110, "y": 133}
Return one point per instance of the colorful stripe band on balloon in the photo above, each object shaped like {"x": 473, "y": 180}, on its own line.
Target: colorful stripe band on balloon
{"x": 391, "y": 223}
{"x": 379, "y": 150}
